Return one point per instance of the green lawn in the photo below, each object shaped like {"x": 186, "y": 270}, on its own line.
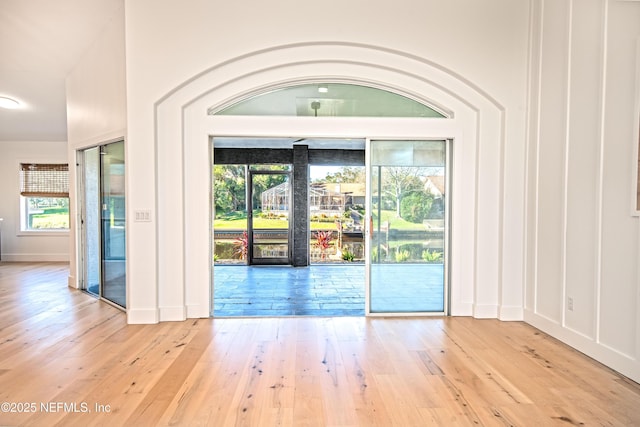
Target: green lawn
{"x": 399, "y": 223}
{"x": 239, "y": 222}
{"x": 50, "y": 221}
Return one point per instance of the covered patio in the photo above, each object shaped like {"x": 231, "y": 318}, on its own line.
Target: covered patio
{"x": 325, "y": 290}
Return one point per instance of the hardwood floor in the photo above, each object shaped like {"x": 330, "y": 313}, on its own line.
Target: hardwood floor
{"x": 68, "y": 359}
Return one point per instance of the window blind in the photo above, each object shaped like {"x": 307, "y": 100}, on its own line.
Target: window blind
{"x": 44, "y": 180}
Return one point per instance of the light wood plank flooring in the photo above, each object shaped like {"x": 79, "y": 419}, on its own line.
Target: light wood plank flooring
{"x": 62, "y": 353}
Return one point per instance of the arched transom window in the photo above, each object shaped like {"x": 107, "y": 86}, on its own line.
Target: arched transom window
{"x": 326, "y": 99}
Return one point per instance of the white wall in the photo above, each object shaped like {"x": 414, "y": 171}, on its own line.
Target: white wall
{"x": 17, "y": 246}
{"x": 96, "y": 108}
{"x": 582, "y": 238}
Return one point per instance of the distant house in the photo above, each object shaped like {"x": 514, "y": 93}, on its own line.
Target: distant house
{"x": 327, "y": 198}
{"x": 435, "y": 185}
{"x": 353, "y": 192}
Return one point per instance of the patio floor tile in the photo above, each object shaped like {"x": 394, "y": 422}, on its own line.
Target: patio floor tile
{"x": 325, "y": 290}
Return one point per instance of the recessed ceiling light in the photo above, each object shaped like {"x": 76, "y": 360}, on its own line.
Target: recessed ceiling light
{"x": 8, "y": 103}
{"x": 323, "y": 88}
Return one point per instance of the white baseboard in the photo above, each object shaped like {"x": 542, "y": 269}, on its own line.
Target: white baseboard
{"x": 628, "y": 365}
{"x": 198, "y": 311}
{"x": 35, "y": 257}
{"x": 142, "y": 316}
{"x": 71, "y": 282}
{"x": 485, "y": 311}
{"x": 511, "y": 313}
{"x": 464, "y": 309}
{"x": 172, "y": 314}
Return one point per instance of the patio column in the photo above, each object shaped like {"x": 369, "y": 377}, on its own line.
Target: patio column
{"x": 300, "y": 245}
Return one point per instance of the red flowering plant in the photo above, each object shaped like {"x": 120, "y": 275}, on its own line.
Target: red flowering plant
{"x": 323, "y": 241}
{"x": 241, "y": 244}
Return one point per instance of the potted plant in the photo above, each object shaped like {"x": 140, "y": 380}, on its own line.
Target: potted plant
{"x": 241, "y": 245}
{"x": 323, "y": 241}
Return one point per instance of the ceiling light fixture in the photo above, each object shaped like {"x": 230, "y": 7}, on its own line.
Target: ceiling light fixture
{"x": 323, "y": 88}
{"x": 8, "y": 103}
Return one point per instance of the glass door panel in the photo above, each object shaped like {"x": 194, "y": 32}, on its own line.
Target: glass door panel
{"x": 230, "y": 220}
{"x": 91, "y": 219}
{"x": 407, "y": 256}
{"x": 336, "y": 214}
{"x": 269, "y": 218}
{"x": 113, "y": 223}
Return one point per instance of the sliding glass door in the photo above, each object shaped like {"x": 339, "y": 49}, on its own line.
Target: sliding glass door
{"x": 103, "y": 222}
{"x": 408, "y": 226}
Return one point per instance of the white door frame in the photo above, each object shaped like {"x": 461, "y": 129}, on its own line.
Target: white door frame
{"x": 344, "y": 127}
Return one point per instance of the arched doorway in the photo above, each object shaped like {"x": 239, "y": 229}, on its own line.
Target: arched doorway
{"x": 183, "y": 152}
{"x": 404, "y": 221}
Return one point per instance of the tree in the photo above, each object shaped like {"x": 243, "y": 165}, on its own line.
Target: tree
{"x": 415, "y": 206}
{"x": 347, "y": 174}
{"x": 229, "y": 188}
{"x": 399, "y": 181}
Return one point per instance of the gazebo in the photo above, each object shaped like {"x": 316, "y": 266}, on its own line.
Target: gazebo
{"x": 276, "y": 199}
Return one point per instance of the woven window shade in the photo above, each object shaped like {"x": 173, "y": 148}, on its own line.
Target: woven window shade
{"x": 44, "y": 180}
